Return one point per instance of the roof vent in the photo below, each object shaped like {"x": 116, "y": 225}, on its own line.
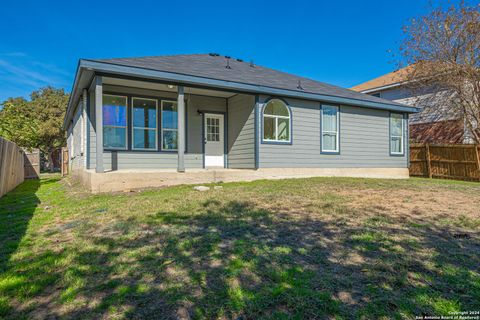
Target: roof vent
{"x": 251, "y": 64}
{"x": 239, "y": 60}
{"x": 213, "y": 54}
{"x": 299, "y": 85}
{"x": 228, "y": 63}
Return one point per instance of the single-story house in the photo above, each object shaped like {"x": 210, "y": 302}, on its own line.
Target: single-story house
{"x": 155, "y": 121}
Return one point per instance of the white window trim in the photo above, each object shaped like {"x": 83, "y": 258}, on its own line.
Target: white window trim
{"x": 276, "y": 124}
{"x": 126, "y": 122}
{"x": 167, "y": 129}
{"x": 213, "y": 126}
{"x": 146, "y": 128}
{"x": 337, "y": 132}
{"x": 401, "y": 153}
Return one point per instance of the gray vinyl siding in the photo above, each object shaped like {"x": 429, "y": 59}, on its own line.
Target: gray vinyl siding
{"x": 428, "y": 99}
{"x": 76, "y": 157}
{"x": 364, "y": 136}
{"x": 127, "y": 160}
{"x": 161, "y": 159}
{"x": 92, "y": 143}
{"x": 69, "y": 139}
{"x": 194, "y": 119}
{"x": 364, "y": 140}
{"x": 74, "y": 140}
{"x": 241, "y": 132}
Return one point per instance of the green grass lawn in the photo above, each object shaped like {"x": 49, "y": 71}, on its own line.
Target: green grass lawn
{"x": 289, "y": 249}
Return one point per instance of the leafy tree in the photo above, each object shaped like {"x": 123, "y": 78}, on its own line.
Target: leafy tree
{"x": 18, "y": 124}
{"x": 443, "y": 50}
{"x": 36, "y": 123}
{"x": 49, "y": 105}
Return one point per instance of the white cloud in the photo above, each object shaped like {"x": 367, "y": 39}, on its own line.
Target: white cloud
{"x": 21, "y": 74}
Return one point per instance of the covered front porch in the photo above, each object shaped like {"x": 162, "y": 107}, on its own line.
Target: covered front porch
{"x": 144, "y": 125}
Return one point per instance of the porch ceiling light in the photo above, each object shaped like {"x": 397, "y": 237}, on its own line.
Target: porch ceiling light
{"x": 171, "y": 86}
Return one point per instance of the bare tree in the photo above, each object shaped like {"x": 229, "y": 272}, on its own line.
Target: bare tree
{"x": 443, "y": 51}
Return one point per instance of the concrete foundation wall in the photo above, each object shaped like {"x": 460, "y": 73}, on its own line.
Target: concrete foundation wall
{"x": 124, "y": 180}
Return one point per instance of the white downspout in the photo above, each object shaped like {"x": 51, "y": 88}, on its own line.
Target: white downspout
{"x": 84, "y": 125}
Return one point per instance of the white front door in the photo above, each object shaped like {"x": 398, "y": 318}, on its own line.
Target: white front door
{"x": 214, "y": 140}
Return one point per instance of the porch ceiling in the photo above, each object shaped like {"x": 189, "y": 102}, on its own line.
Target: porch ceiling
{"x": 165, "y": 87}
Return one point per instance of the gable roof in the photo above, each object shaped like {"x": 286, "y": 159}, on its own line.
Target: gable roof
{"x": 214, "y": 67}
{"x": 396, "y": 77}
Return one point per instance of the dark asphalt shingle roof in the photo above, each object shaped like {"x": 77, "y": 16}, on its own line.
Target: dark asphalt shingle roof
{"x": 214, "y": 67}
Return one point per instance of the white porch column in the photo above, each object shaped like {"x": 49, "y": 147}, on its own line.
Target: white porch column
{"x": 181, "y": 129}
{"x": 99, "y": 124}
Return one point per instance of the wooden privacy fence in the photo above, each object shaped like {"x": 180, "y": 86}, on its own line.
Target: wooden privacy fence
{"x": 32, "y": 164}
{"x": 447, "y": 161}
{"x": 11, "y": 166}
{"x": 64, "y": 161}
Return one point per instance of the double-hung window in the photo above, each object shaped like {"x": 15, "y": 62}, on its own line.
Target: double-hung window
{"x": 330, "y": 126}
{"x": 114, "y": 112}
{"x": 144, "y": 124}
{"x": 276, "y": 122}
{"x": 169, "y": 125}
{"x": 396, "y": 134}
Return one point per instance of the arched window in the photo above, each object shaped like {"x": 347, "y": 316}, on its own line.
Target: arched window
{"x": 276, "y": 121}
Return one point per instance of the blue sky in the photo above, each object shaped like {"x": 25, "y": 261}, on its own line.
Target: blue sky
{"x": 339, "y": 42}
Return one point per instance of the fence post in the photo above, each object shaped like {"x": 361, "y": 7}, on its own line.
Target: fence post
{"x": 476, "y": 146}
{"x": 429, "y": 165}
{"x": 64, "y": 160}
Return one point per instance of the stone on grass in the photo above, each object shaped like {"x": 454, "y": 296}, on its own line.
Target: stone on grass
{"x": 218, "y": 187}
{"x": 201, "y": 188}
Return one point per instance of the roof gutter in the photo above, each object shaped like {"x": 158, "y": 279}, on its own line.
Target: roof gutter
{"x": 228, "y": 85}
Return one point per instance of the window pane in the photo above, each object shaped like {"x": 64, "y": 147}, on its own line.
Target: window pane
{"x": 269, "y": 128}
{"x": 144, "y": 139}
{"x": 213, "y": 129}
{"x": 396, "y": 125}
{"x": 144, "y": 113}
{"x": 213, "y": 137}
{"x": 329, "y": 118}
{"x": 114, "y": 111}
{"x": 329, "y": 142}
{"x": 396, "y": 144}
{"x": 114, "y": 137}
{"x": 283, "y": 129}
{"x": 277, "y": 108}
{"x": 169, "y": 140}
{"x": 169, "y": 115}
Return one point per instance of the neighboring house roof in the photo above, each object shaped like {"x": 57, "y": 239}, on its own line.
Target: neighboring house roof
{"x": 449, "y": 131}
{"x": 388, "y": 80}
{"x": 212, "y": 71}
